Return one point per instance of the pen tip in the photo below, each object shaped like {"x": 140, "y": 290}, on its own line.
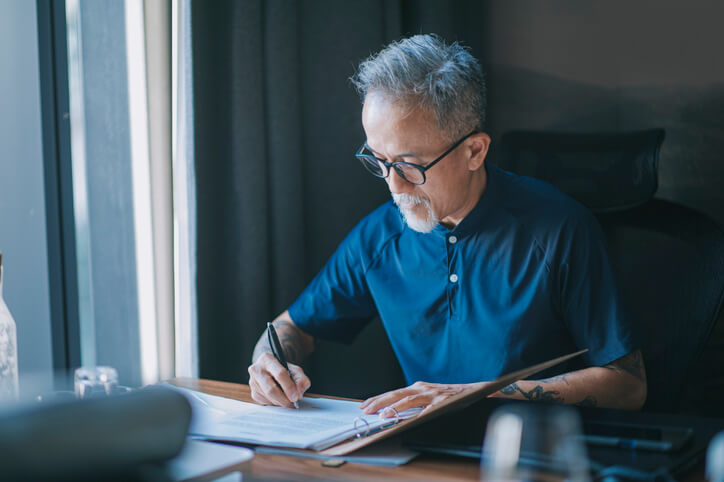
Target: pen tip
{"x": 296, "y": 405}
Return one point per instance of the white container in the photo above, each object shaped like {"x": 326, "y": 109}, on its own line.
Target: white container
{"x": 8, "y": 349}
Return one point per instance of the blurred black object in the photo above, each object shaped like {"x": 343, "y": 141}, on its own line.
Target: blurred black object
{"x": 462, "y": 433}
{"x": 123, "y": 437}
{"x": 668, "y": 258}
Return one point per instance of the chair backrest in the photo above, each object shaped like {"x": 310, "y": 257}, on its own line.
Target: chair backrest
{"x": 603, "y": 171}
{"x": 669, "y": 259}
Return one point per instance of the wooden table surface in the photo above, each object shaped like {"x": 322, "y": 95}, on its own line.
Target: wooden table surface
{"x": 282, "y": 467}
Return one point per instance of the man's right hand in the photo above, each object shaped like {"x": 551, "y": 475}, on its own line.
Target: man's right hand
{"x": 270, "y": 383}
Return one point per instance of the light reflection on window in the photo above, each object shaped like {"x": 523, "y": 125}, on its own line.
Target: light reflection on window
{"x": 80, "y": 184}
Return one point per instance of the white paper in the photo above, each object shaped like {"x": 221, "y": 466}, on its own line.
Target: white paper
{"x": 317, "y": 424}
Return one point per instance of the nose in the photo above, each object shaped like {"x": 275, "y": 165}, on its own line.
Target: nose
{"x": 397, "y": 184}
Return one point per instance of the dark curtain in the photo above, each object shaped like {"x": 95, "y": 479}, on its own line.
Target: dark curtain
{"x": 276, "y": 123}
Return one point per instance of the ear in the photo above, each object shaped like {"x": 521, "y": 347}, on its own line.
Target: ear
{"x": 478, "y": 145}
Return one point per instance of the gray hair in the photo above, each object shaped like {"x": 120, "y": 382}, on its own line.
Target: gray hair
{"x": 423, "y": 71}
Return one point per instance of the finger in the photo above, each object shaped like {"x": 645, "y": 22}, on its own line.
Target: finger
{"x": 406, "y": 403}
{"x": 368, "y": 401}
{"x": 282, "y": 377}
{"x": 374, "y": 399}
{"x": 435, "y": 401}
{"x": 426, "y": 409}
{"x": 300, "y": 378}
{"x": 256, "y": 393}
{"x": 269, "y": 374}
{"x": 254, "y": 387}
{"x": 272, "y": 392}
{"x": 257, "y": 390}
{"x": 387, "y": 399}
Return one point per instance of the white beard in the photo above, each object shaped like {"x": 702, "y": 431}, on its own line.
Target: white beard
{"x": 416, "y": 223}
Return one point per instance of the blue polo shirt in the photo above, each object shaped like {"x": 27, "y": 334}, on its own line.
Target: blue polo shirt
{"x": 523, "y": 278}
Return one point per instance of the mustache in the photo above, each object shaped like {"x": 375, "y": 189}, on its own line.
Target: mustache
{"x": 409, "y": 199}
{"x": 423, "y": 223}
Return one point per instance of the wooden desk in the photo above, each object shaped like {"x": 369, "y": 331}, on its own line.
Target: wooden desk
{"x": 281, "y": 467}
{"x": 264, "y": 466}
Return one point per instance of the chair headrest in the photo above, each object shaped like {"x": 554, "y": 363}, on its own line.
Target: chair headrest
{"x": 603, "y": 171}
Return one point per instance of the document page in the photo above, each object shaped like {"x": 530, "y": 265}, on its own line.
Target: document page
{"x": 317, "y": 424}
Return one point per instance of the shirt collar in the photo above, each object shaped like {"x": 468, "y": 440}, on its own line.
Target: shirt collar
{"x": 475, "y": 218}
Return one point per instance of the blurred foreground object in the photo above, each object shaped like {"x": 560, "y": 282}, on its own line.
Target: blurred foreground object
{"x": 8, "y": 349}
{"x": 522, "y": 441}
{"x": 97, "y": 439}
{"x": 715, "y": 459}
{"x": 93, "y": 382}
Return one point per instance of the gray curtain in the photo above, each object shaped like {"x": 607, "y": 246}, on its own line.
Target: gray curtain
{"x": 276, "y": 125}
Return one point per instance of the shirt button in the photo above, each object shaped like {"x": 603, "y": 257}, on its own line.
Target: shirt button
{"x": 453, "y": 278}
{"x": 452, "y": 239}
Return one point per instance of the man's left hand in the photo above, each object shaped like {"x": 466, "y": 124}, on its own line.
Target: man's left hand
{"x": 419, "y": 394}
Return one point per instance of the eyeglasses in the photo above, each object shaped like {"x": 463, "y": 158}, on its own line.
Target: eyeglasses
{"x": 411, "y": 173}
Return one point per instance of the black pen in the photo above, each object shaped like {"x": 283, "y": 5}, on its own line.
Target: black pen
{"x": 278, "y": 352}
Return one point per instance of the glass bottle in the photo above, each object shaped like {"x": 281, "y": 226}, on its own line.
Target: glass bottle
{"x": 715, "y": 459}
{"x": 8, "y": 349}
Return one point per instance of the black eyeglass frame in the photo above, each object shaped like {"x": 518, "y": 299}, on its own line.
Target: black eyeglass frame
{"x": 364, "y": 158}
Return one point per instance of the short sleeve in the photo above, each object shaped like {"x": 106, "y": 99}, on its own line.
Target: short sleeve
{"x": 337, "y": 304}
{"x": 589, "y": 299}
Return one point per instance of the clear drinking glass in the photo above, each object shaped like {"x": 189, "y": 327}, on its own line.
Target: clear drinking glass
{"x": 91, "y": 382}
{"x": 530, "y": 441}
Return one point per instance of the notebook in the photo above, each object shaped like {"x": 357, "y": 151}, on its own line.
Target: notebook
{"x": 317, "y": 424}
{"x": 329, "y": 426}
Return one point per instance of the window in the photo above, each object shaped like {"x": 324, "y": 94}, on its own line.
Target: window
{"x": 129, "y": 238}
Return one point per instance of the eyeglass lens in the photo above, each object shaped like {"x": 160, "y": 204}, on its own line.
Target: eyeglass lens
{"x": 404, "y": 170}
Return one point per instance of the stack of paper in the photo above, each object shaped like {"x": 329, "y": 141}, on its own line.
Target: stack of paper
{"x": 317, "y": 424}
{"x": 322, "y": 423}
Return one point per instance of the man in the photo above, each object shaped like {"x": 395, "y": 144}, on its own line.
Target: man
{"x": 474, "y": 271}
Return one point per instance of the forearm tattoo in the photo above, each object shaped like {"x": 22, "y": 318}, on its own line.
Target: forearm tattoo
{"x": 633, "y": 364}
{"x": 537, "y": 393}
{"x": 589, "y": 401}
{"x": 288, "y": 338}
{"x": 290, "y": 342}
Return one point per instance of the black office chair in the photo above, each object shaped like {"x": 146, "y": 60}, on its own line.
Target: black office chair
{"x": 669, "y": 259}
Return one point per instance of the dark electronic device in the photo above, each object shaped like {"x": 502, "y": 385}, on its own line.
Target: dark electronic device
{"x": 637, "y": 437}
{"x": 665, "y": 444}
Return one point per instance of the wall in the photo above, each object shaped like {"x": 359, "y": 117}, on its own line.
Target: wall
{"x": 22, "y": 199}
{"x": 617, "y": 65}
